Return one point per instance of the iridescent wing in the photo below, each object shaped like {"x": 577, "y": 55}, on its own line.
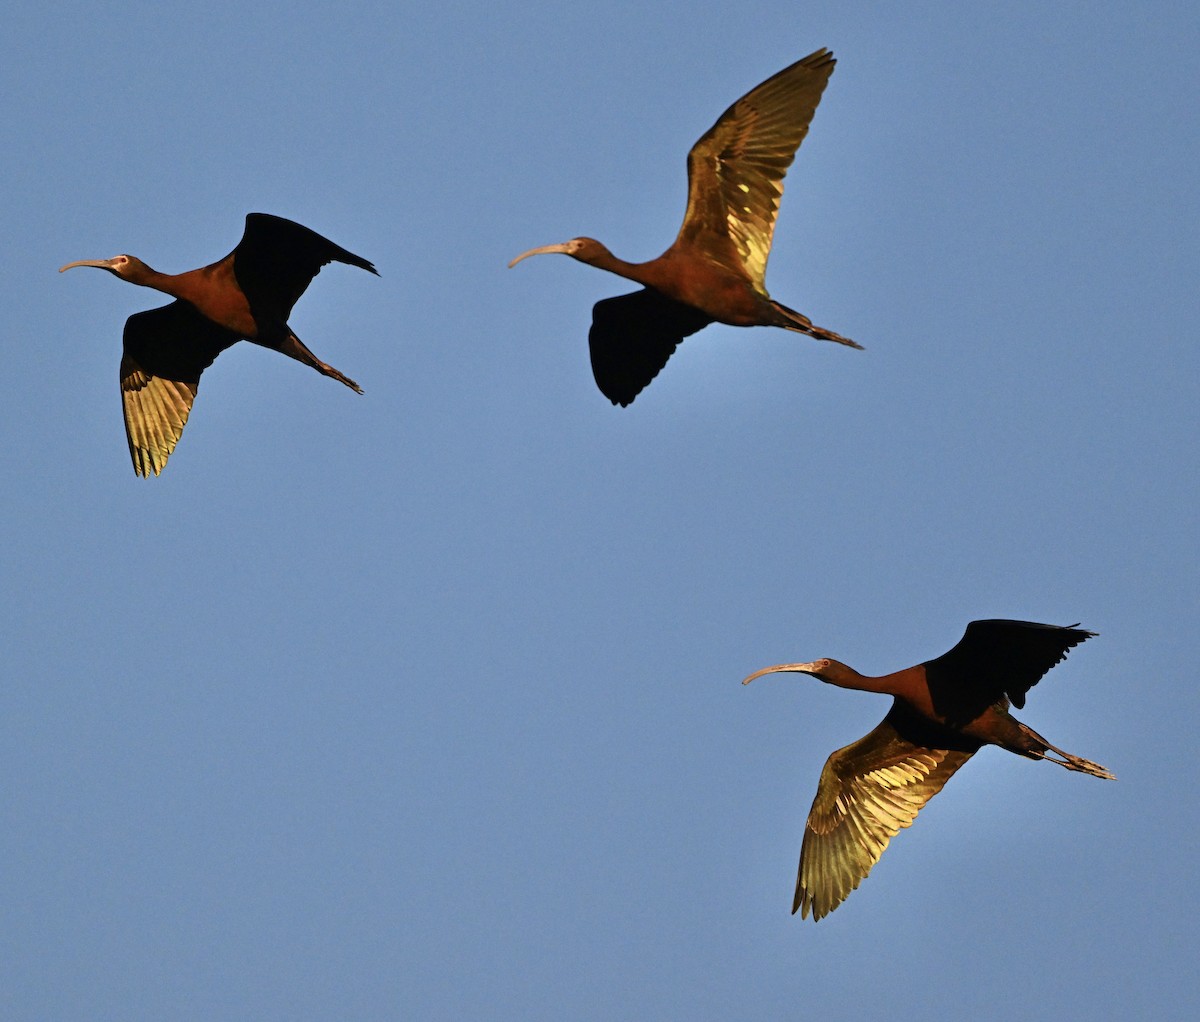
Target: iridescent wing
{"x": 736, "y": 169}
{"x": 868, "y": 791}
{"x": 165, "y": 351}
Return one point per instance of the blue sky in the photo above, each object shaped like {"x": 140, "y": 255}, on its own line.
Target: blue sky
{"x": 425, "y": 703}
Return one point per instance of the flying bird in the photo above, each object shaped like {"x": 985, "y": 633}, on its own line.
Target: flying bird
{"x": 943, "y": 711}
{"x": 715, "y": 270}
{"x": 248, "y": 295}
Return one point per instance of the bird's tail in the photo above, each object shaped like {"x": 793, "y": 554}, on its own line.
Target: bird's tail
{"x": 790, "y": 319}
{"x": 1036, "y": 747}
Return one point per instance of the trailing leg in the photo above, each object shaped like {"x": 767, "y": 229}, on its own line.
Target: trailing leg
{"x": 293, "y": 346}
{"x": 1036, "y": 747}
{"x": 790, "y": 319}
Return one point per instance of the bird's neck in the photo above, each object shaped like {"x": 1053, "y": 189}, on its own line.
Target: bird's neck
{"x": 643, "y": 273}
{"x": 848, "y": 677}
{"x": 677, "y": 276}
{"x": 148, "y": 276}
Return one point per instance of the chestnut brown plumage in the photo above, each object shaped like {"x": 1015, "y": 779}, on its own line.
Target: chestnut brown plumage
{"x": 715, "y": 270}
{"x": 943, "y": 711}
{"x": 248, "y": 295}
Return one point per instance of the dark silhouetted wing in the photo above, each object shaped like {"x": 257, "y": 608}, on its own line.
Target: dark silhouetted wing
{"x": 736, "y": 169}
{"x": 277, "y": 259}
{"x": 632, "y": 337}
{"x": 867, "y": 792}
{"x": 165, "y": 351}
{"x": 994, "y": 659}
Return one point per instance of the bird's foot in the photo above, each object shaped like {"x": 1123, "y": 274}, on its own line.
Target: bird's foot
{"x": 818, "y": 332}
{"x": 329, "y": 371}
{"x": 821, "y": 334}
{"x": 1081, "y": 765}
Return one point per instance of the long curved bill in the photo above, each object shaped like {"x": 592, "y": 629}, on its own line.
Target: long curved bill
{"x": 542, "y": 250}
{"x": 799, "y": 668}
{"x": 104, "y": 264}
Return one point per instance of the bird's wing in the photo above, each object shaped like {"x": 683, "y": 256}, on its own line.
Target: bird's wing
{"x": 867, "y": 792}
{"x": 736, "y": 169}
{"x": 995, "y": 659}
{"x": 165, "y": 351}
{"x": 632, "y": 337}
{"x": 277, "y": 259}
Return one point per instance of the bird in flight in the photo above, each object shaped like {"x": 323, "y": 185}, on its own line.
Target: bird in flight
{"x": 248, "y": 295}
{"x": 943, "y": 711}
{"x": 715, "y": 270}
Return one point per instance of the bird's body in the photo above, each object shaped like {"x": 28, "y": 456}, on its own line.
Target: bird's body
{"x": 247, "y": 295}
{"x": 715, "y": 269}
{"x": 943, "y": 711}
{"x": 212, "y": 290}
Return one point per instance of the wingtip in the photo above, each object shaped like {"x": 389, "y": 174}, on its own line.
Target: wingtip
{"x": 819, "y": 58}
{"x": 144, "y": 470}
{"x": 616, "y": 399}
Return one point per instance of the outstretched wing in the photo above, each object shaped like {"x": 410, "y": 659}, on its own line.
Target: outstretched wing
{"x": 736, "y": 169}
{"x": 165, "y": 351}
{"x": 867, "y": 792}
{"x": 632, "y": 337}
{"x": 277, "y": 259}
{"x": 994, "y": 659}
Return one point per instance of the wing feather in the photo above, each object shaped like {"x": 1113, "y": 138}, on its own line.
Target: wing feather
{"x": 736, "y": 169}
{"x": 277, "y": 259}
{"x": 994, "y": 659}
{"x": 165, "y": 351}
{"x": 631, "y": 338}
{"x": 868, "y": 792}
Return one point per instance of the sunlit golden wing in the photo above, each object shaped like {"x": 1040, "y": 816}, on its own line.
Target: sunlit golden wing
{"x": 736, "y": 169}
{"x": 156, "y": 411}
{"x": 868, "y": 791}
{"x": 165, "y": 351}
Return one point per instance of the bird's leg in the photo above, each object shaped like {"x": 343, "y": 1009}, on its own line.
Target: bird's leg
{"x": 327, "y": 370}
{"x": 296, "y": 348}
{"x": 790, "y": 319}
{"x": 1078, "y": 763}
{"x": 1030, "y": 743}
{"x": 1009, "y": 733}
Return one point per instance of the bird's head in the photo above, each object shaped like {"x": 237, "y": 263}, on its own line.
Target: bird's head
{"x": 586, "y": 250}
{"x": 125, "y": 266}
{"x": 832, "y": 672}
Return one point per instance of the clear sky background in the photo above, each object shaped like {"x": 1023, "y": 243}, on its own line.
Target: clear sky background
{"x": 425, "y": 703}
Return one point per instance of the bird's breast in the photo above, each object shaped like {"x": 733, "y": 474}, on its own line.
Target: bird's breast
{"x": 215, "y": 293}
{"x": 725, "y": 296}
